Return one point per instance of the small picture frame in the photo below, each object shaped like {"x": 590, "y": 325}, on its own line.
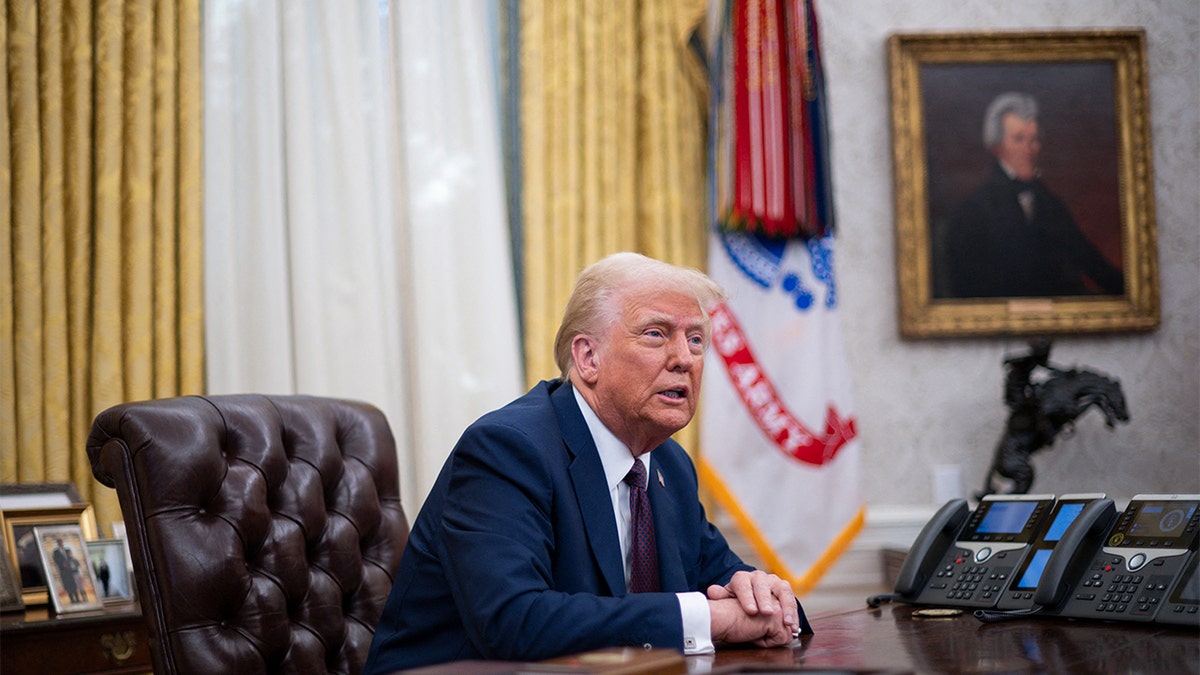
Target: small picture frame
{"x": 110, "y": 563}
{"x": 70, "y": 582}
{"x": 19, "y": 538}
{"x": 118, "y": 532}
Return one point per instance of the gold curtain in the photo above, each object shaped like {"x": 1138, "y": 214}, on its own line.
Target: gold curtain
{"x": 612, "y": 147}
{"x": 101, "y": 256}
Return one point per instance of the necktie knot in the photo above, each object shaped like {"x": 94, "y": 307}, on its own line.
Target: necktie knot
{"x": 637, "y": 475}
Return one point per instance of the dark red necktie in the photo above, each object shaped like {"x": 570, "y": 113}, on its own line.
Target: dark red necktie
{"x": 643, "y": 576}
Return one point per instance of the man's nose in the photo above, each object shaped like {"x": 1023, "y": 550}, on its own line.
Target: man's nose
{"x": 680, "y": 354}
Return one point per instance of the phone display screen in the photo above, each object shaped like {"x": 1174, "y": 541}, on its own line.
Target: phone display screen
{"x": 1157, "y": 523}
{"x": 1030, "y": 573}
{"x": 1033, "y": 571}
{"x": 1066, "y": 515}
{"x": 1159, "y": 519}
{"x": 1006, "y": 517}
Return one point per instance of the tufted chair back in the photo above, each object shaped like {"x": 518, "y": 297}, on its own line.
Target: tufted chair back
{"x": 265, "y": 531}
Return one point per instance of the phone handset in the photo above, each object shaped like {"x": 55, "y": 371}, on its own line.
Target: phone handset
{"x": 1074, "y": 553}
{"x": 927, "y": 549}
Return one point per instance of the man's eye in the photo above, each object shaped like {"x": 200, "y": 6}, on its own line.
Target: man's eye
{"x": 654, "y": 332}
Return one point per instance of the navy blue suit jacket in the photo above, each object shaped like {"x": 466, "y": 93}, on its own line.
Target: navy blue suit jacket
{"x": 515, "y": 556}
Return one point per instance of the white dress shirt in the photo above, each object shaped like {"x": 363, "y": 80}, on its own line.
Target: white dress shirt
{"x": 617, "y": 460}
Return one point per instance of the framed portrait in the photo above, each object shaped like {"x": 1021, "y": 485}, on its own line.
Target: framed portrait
{"x": 70, "y": 582}
{"x": 109, "y": 559}
{"x": 1023, "y": 183}
{"x": 22, "y": 545}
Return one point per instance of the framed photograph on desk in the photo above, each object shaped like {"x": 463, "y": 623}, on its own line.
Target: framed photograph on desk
{"x": 22, "y": 544}
{"x": 110, "y": 562}
{"x": 1024, "y": 191}
{"x": 70, "y": 581}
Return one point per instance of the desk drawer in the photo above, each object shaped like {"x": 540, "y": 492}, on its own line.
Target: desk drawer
{"x": 111, "y": 647}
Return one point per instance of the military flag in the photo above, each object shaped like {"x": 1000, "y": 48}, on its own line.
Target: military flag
{"x": 778, "y": 440}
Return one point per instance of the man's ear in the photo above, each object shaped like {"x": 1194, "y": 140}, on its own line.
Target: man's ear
{"x": 586, "y": 356}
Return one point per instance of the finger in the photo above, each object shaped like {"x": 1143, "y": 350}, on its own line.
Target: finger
{"x": 716, "y": 592}
{"x": 741, "y": 586}
{"x": 787, "y": 601}
{"x": 764, "y": 594}
{"x": 740, "y": 583}
{"x": 751, "y": 597}
{"x": 774, "y": 638}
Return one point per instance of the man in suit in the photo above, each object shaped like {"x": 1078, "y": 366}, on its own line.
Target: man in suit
{"x": 1013, "y": 237}
{"x": 67, "y": 571}
{"x": 527, "y": 547}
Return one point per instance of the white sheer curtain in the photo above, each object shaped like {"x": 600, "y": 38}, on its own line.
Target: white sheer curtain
{"x": 356, "y": 236}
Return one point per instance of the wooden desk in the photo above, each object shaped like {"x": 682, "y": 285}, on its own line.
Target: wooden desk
{"x": 111, "y": 641}
{"x": 891, "y": 639}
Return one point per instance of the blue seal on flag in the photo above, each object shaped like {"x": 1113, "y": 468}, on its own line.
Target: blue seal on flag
{"x": 758, "y": 257}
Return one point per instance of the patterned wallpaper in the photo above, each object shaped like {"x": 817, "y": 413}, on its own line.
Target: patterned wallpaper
{"x": 925, "y": 403}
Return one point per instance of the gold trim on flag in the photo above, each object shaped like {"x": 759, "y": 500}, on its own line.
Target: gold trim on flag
{"x": 775, "y": 564}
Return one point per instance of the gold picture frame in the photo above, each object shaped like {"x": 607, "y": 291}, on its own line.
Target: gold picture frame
{"x": 21, "y": 542}
{"x": 1090, "y": 92}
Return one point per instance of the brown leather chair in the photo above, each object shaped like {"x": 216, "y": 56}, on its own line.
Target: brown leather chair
{"x": 265, "y": 531}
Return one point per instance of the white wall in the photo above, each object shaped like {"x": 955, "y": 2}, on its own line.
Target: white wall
{"x": 923, "y": 403}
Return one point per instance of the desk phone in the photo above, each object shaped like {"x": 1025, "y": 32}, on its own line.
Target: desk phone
{"x": 1024, "y": 582}
{"x": 1144, "y": 563}
{"x": 966, "y": 558}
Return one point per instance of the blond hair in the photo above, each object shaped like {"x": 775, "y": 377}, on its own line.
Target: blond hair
{"x": 593, "y": 308}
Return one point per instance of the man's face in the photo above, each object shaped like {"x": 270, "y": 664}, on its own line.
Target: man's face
{"x": 1019, "y": 148}
{"x": 649, "y": 366}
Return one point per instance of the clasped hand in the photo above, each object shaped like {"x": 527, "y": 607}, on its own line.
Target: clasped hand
{"x": 754, "y": 607}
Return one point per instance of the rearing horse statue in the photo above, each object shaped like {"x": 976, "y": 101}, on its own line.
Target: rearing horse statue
{"x": 1040, "y": 411}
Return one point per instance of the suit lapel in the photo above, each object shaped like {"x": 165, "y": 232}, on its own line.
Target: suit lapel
{"x": 591, "y": 490}
{"x": 670, "y": 568}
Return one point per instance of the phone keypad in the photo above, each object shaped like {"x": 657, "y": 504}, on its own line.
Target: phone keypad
{"x": 958, "y": 581}
{"x": 1109, "y": 590}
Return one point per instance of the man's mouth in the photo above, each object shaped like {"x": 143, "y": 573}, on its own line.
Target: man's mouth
{"x": 675, "y": 393}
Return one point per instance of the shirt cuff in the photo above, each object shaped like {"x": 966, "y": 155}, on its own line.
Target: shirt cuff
{"x": 697, "y": 624}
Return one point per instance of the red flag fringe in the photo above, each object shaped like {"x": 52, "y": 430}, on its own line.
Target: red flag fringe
{"x": 772, "y": 150}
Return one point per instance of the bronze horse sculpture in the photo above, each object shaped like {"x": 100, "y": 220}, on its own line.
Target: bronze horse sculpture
{"x": 1039, "y": 411}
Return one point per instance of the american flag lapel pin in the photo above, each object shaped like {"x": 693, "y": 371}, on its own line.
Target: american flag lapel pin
{"x": 660, "y": 478}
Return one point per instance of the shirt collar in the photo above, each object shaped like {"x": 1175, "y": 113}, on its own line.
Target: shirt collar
{"x": 614, "y": 455}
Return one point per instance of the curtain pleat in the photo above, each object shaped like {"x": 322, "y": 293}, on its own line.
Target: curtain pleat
{"x": 8, "y": 376}
{"x": 101, "y": 182}
{"x": 78, "y": 76}
{"x": 612, "y": 148}
{"x": 188, "y": 210}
